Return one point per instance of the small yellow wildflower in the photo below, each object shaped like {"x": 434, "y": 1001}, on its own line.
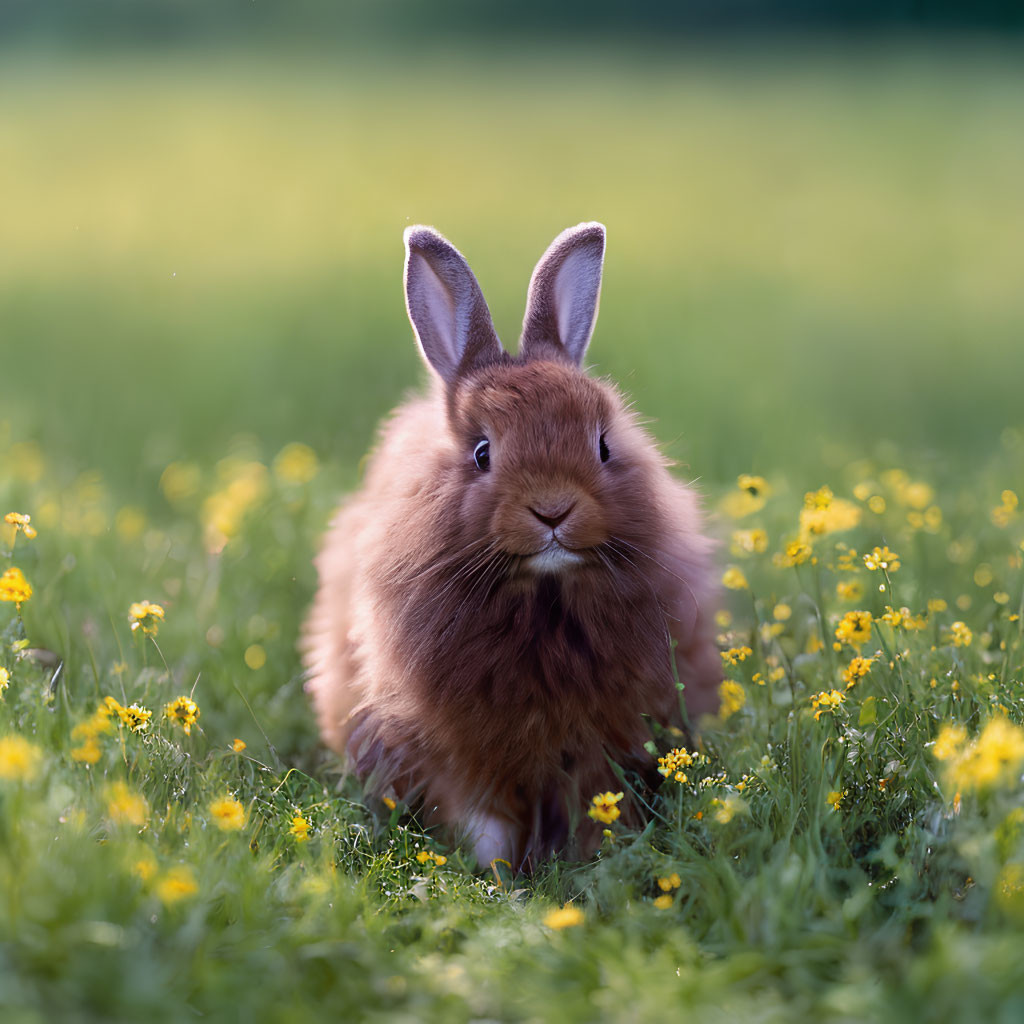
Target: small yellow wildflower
{"x": 936, "y": 605}
{"x": 125, "y": 806}
{"x": 727, "y": 809}
{"x": 88, "y": 752}
{"x": 882, "y": 558}
{"x": 849, "y": 590}
{"x": 19, "y": 759}
{"x": 960, "y": 635}
{"x": 20, "y": 523}
{"x": 733, "y": 697}
{"x": 670, "y": 882}
{"x": 824, "y": 513}
{"x": 949, "y": 742}
{"x": 795, "y": 553}
{"x": 14, "y": 587}
{"x": 994, "y": 758}
{"x": 255, "y": 656}
{"x": 782, "y": 611}
{"x": 178, "y": 884}
{"x": 603, "y": 807}
{"x": 748, "y": 542}
{"x": 299, "y": 829}
{"x": 147, "y": 616}
{"x": 388, "y": 803}
{"x": 238, "y": 745}
{"x": 183, "y": 710}
{"x": 5, "y": 680}
{"x": 826, "y": 701}
{"x": 144, "y": 868}
{"x": 734, "y": 579}
{"x": 228, "y": 814}
{"x": 567, "y": 917}
{"x": 135, "y": 718}
{"x": 734, "y": 655}
{"x": 664, "y": 901}
{"x": 296, "y": 464}
{"x": 428, "y": 857}
{"x": 675, "y": 761}
{"x": 854, "y": 629}
{"x": 835, "y": 798}
{"x": 856, "y": 670}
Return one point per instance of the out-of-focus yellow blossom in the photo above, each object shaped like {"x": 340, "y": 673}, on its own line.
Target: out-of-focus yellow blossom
{"x": 566, "y": 917}
{"x": 255, "y": 657}
{"x": 734, "y": 579}
{"x": 994, "y": 757}
{"x": 19, "y": 522}
{"x": 856, "y": 670}
{"x": 824, "y": 513}
{"x": 184, "y": 711}
{"x": 147, "y": 616}
{"x": 733, "y": 698}
{"x": 5, "y": 681}
{"x": 179, "y": 883}
{"x": 1005, "y": 512}
{"x": 936, "y": 605}
{"x": 949, "y": 742}
{"x": 180, "y": 481}
{"x": 299, "y": 830}
{"x": 429, "y": 857}
{"x": 296, "y": 463}
{"x": 849, "y": 590}
{"x": 723, "y": 618}
{"x": 130, "y": 522}
{"x": 835, "y": 798}
{"x": 145, "y": 867}
{"x": 238, "y": 745}
{"x": 749, "y": 542}
{"x": 728, "y": 808}
{"x": 19, "y": 759}
{"x": 603, "y": 807}
{"x": 854, "y": 629}
{"x": 228, "y": 814}
{"x": 670, "y": 882}
{"x": 125, "y": 806}
{"x": 388, "y": 802}
{"x": 795, "y": 553}
{"x": 960, "y": 634}
{"x": 734, "y": 655}
{"x": 882, "y": 558}
{"x": 782, "y": 611}
{"x": 664, "y": 901}
{"x": 826, "y": 702}
{"x": 750, "y": 496}
{"x": 14, "y": 587}
{"x": 224, "y": 511}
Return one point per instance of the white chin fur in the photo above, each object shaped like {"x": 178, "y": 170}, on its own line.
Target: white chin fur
{"x": 554, "y": 558}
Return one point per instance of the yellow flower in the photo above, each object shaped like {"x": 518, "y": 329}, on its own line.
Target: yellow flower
{"x": 835, "y": 798}
{"x": 727, "y": 809}
{"x": 299, "y": 829}
{"x": 125, "y": 806}
{"x": 228, "y": 814}
{"x": 296, "y": 464}
{"x": 936, "y": 604}
{"x": 673, "y": 763}
{"x": 854, "y": 629}
{"x": 389, "y": 803}
{"x": 734, "y": 579}
{"x": 882, "y": 558}
{"x": 994, "y": 758}
{"x": 960, "y": 635}
{"x": 5, "y": 680}
{"x": 567, "y": 917}
{"x": 750, "y": 496}
{"x": 19, "y": 759}
{"x": 796, "y": 553}
{"x": 669, "y": 883}
{"x": 748, "y": 542}
{"x": 237, "y": 745}
{"x": 145, "y": 867}
{"x": 734, "y": 655}
{"x": 782, "y": 612}
{"x": 147, "y": 616}
{"x": 826, "y": 701}
{"x": 603, "y": 807}
{"x": 183, "y": 710}
{"x": 88, "y": 752}
{"x": 824, "y": 513}
{"x": 664, "y": 901}
{"x": 136, "y": 718}
{"x": 20, "y": 522}
{"x": 949, "y": 742}
{"x": 851, "y": 590}
{"x": 178, "y": 884}
{"x": 14, "y": 587}
{"x": 856, "y": 670}
{"x": 733, "y": 697}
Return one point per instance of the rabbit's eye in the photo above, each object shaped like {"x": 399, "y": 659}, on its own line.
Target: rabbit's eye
{"x": 482, "y": 454}
{"x": 602, "y": 447}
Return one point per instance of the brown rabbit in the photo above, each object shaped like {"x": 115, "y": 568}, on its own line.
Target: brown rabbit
{"x": 498, "y": 604}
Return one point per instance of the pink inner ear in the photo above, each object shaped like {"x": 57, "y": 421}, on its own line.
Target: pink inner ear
{"x": 575, "y": 295}
{"x": 433, "y": 315}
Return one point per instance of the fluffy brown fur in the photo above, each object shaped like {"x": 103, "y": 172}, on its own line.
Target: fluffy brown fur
{"x": 484, "y": 641}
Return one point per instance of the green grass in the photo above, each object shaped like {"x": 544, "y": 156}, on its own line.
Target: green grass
{"x": 812, "y": 274}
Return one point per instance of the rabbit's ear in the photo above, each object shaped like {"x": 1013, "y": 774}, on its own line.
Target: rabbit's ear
{"x": 447, "y": 309}
{"x": 561, "y": 307}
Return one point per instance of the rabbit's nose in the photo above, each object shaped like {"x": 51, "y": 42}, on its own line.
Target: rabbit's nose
{"x": 550, "y": 517}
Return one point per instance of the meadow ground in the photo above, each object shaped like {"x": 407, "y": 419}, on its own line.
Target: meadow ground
{"x": 812, "y": 288}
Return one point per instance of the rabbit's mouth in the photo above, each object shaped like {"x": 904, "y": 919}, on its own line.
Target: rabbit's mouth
{"x": 552, "y": 558}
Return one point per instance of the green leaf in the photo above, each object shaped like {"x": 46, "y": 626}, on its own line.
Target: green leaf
{"x": 868, "y": 712}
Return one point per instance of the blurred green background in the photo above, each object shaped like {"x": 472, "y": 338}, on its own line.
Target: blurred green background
{"x": 814, "y": 240}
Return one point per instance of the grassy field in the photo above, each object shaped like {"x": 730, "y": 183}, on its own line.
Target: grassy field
{"x": 813, "y": 276}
